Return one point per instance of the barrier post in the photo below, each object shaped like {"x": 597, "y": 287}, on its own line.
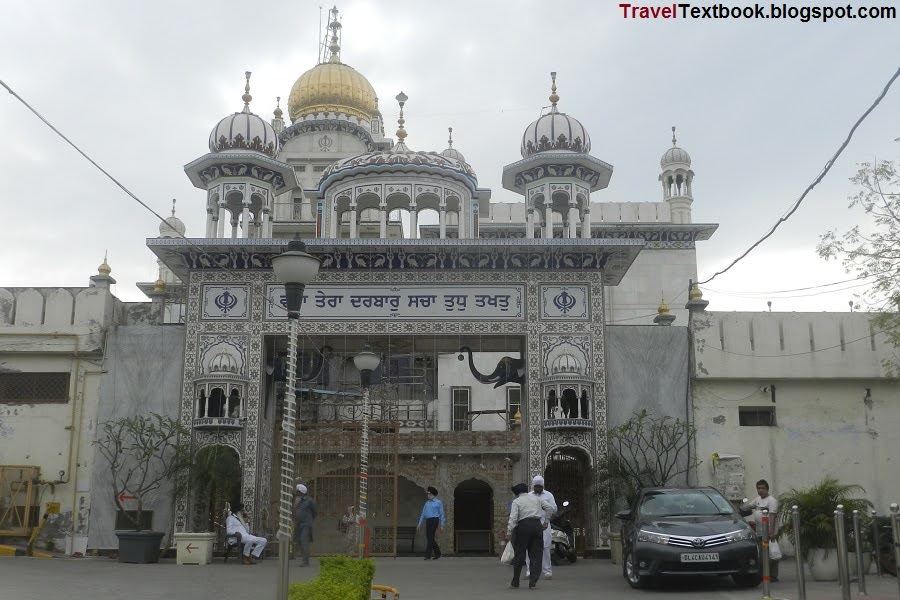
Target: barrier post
{"x": 843, "y": 566}
{"x": 860, "y": 562}
{"x": 876, "y": 536}
{"x": 895, "y": 529}
{"x": 801, "y": 578}
{"x": 764, "y": 536}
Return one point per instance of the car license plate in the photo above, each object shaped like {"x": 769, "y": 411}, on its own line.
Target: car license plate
{"x": 700, "y": 557}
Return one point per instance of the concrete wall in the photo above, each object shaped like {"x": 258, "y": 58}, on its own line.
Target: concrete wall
{"x": 826, "y": 422}
{"x": 144, "y": 368}
{"x": 654, "y": 275}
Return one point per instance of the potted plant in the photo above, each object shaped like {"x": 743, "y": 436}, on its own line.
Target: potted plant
{"x": 818, "y": 538}
{"x": 143, "y": 453}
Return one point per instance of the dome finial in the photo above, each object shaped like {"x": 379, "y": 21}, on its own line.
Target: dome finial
{"x": 674, "y": 143}
{"x": 450, "y": 141}
{"x": 104, "y": 269}
{"x": 400, "y": 146}
{"x": 554, "y": 97}
{"x": 173, "y": 206}
{"x": 247, "y": 97}
{"x": 334, "y": 44}
{"x": 278, "y": 112}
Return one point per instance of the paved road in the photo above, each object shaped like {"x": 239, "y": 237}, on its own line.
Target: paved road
{"x": 449, "y": 578}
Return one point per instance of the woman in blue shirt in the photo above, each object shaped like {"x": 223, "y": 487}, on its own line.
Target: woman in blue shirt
{"x": 433, "y": 517}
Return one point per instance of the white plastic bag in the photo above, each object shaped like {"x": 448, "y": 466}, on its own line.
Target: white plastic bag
{"x": 774, "y": 550}
{"x": 508, "y": 554}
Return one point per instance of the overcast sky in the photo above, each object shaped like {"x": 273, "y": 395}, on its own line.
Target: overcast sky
{"x": 759, "y": 105}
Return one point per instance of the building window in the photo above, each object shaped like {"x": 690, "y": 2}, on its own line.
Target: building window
{"x": 513, "y": 405}
{"x": 461, "y": 404}
{"x": 300, "y": 168}
{"x": 34, "y": 387}
{"x": 319, "y": 168}
{"x": 757, "y": 416}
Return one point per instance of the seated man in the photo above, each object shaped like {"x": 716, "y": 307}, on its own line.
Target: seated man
{"x": 236, "y": 526}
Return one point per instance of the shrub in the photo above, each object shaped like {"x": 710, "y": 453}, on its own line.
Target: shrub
{"x": 340, "y": 578}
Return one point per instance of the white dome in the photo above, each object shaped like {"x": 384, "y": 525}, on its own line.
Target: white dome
{"x": 454, "y": 154}
{"x": 171, "y": 228}
{"x": 565, "y": 363}
{"x": 244, "y": 131}
{"x": 223, "y": 362}
{"x": 673, "y": 156}
{"x": 555, "y": 132}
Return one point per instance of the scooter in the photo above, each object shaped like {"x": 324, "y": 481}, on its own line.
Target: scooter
{"x": 562, "y": 537}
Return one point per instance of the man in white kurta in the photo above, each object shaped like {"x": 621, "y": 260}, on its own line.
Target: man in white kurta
{"x": 236, "y": 523}
{"x": 537, "y": 489}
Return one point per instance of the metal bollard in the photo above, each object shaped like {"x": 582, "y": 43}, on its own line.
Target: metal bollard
{"x": 895, "y": 529}
{"x": 801, "y": 580}
{"x": 876, "y": 535}
{"x": 764, "y": 555}
{"x": 860, "y": 562}
{"x": 843, "y": 566}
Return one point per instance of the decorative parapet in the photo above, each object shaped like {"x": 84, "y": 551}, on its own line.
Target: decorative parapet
{"x": 568, "y": 424}
{"x": 218, "y": 423}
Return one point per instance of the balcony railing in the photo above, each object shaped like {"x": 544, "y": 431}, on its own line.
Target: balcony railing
{"x": 218, "y": 423}
{"x": 408, "y": 416}
{"x": 568, "y": 424}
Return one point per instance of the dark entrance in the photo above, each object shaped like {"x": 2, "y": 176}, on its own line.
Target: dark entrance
{"x": 567, "y": 477}
{"x": 216, "y": 481}
{"x": 473, "y": 517}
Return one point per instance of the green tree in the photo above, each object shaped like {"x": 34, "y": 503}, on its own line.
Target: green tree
{"x": 871, "y": 249}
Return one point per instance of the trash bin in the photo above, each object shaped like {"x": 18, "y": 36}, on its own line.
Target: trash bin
{"x": 194, "y": 548}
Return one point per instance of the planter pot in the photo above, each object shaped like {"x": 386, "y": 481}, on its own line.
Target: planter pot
{"x": 139, "y": 546}
{"x": 823, "y": 568}
{"x": 194, "y": 548}
{"x": 854, "y": 568}
{"x": 615, "y": 548}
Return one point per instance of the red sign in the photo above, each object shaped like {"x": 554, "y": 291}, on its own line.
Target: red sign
{"x": 123, "y": 497}
{"x": 189, "y": 548}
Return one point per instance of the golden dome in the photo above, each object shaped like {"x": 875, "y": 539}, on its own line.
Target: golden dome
{"x": 332, "y": 87}
{"x": 159, "y": 286}
{"x": 104, "y": 269}
{"x": 695, "y": 294}
{"x": 663, "y": 308}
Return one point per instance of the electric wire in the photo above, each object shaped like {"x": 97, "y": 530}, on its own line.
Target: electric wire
{"x": 815, "y": 182}
{"x": 844, "y": 343}
{"x": 800, "y": 289}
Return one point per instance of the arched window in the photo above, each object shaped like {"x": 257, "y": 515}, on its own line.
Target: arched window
{"x": 216, "y": 403}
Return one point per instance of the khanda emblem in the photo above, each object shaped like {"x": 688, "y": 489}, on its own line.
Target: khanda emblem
{"x": 226, "y": 301}
{"x": 283, "y": 301}
{"x": 565, "y": 302}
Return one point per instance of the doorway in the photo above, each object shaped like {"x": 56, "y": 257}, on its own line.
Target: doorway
{"x": 566, "y": 476}
{"x": 473, "y": 517}
{"x": 216, "y": 479}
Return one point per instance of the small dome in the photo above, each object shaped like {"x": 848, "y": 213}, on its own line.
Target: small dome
{"x": 223, "y": 362}
{"x": 393, "y": 159}
{"x": 555, "y": 131}
{"x": 172, "y": 227}
{"x": 565, "y": 363}
{"x": 244, "y": 131}
{"x": 104, "y": 269}
{"x": 452, "y": 152}
{"x": 159, "y": 286}
{"x": 663, "y": 308}
{"x": 332, "y": 87}
{"x": 675, "y": 155}
{"x": 695, "y": 293}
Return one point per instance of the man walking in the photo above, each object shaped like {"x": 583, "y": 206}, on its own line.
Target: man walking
{"x": 767, "y": 502}
{"x": 304, "y": 514}
{"x": 433, "y": 517}
{"x": 524, "y": 530}
{"x": 537, "y": 486}
{"x": 236, "y": 525}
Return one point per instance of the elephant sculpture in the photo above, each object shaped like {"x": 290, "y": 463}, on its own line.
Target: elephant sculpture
{"x": 508, "y": 370}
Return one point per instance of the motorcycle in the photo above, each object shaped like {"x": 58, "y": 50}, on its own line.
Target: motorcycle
{"x": 562, "y": 537}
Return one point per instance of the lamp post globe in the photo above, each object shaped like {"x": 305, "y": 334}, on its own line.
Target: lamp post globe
{"x": 366, "y": 362}
{"x": 295, "y": 268}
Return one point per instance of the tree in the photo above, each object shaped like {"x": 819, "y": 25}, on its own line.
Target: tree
{"x": 872, "y": 250}
{"x": 647, "y": 451}
{"x": 143, "y": 452}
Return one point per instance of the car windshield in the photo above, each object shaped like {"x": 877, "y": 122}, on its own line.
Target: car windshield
{"x": 667, "y": 503}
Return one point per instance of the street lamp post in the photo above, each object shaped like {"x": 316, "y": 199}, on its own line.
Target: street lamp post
{"x": 295, "y": 268}
{"x": 366, "y": 362}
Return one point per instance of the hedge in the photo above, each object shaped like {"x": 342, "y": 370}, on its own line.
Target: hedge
{"x": 340, "y": 578}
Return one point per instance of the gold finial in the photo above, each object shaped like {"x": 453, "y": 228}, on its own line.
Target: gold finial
{"x": 334, "y": 45}
{"x": 695, "y": 293}
{"x": 517, "y": 418}
{"x": 247, "y": 97}
{"x": 673, "y": 137}
{"x": 401, "y": 133}
{"x": 450, "y": 141}
{"x": 104, "y": 269}
{"x": 278, "y": 112}
{"x": 159, "y": 285}
{"x": 663, "y": 307}
{"x": 554, "y": 97}
{"x": 173, "y": 206}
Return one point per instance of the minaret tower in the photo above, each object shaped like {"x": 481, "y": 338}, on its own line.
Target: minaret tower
{"x": 676, "y": 179}
{"x": 557, "y": 174}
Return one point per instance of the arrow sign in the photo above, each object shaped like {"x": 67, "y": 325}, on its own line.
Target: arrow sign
{"x": 189, "y": 547}
{"x": 123, "y": 497}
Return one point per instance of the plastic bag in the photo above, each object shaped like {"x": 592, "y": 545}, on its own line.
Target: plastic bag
{"x": 774, "y": 550}
{"x": 508, "y": 554}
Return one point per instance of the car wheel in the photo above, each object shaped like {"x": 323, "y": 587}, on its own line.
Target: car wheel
{"x": 747, "y": 580}
{"x": 629, "y": 570}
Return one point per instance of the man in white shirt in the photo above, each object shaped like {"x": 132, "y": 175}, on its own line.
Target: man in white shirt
{"x": 537, "y": 486}
{"x": 236, "y": 525}
{"x": 526, "y": 513}
{"x": 767, "y": 502}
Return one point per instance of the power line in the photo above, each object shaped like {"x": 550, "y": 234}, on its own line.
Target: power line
{"x": 801, "y": 289}
{"x": 777, "y": 297}
{"x": 815, "y": 182}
